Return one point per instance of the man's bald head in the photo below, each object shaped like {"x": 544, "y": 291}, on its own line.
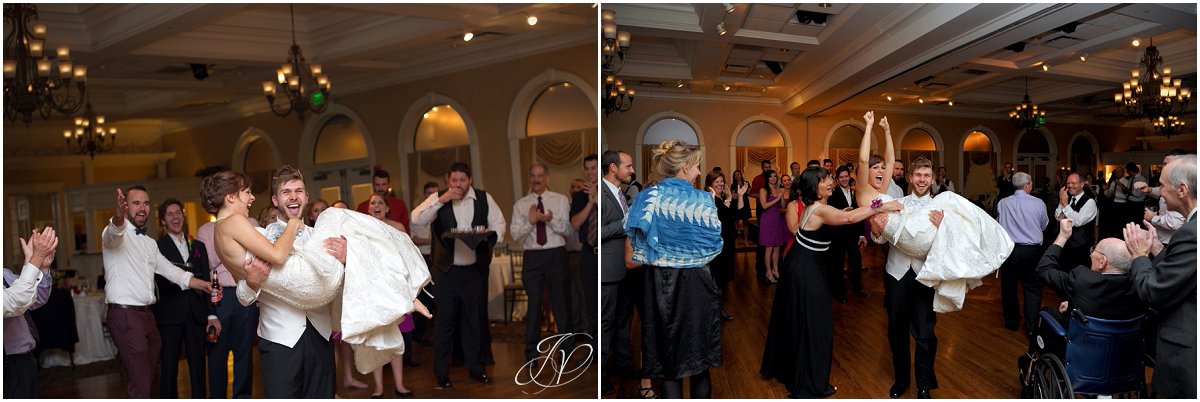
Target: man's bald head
{"x": 1116, "y": 256}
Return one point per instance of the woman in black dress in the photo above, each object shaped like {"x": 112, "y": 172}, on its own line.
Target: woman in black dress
{"x": 730, "y": 206}
{"x": 799, "y": 346}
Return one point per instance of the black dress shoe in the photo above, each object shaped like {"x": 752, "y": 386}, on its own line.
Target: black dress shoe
{"x": 373, "y": 396}
{"x": 482, "y": 378}
{"x": 923, "y": 394}
{"x": 830, "y": 391}
{"x": 842, "y": 299}
{"x": 404, "y": 395}
{"x": 443, "y": 383}
{"x": 897, "y": 390}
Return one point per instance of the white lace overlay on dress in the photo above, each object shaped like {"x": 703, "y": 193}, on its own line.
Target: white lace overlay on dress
{"x": 967, "y": 246}
{"x": 386, "y": 271}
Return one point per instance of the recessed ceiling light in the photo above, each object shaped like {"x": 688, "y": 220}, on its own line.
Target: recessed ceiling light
{"x": 824, "y": 5}
{"x": 468, "y": 36}
{"x": 679, "y": 84}
{"x": 1045, "y": 67}
{"x": 889, "y": 98}
{"x": 532, "y": 20}
{"x": 1083, "y": 57}
{"x": 920, "y": 100}
{"x": 950, "y": 103}
{"x": 1136, "y": 43}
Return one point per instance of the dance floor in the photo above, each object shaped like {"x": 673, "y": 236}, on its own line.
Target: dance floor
{"x": 976, "y": 355}
{"x": 509, "y": 359}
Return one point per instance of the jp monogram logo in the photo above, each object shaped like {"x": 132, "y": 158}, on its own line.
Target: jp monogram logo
{"x": 550, "y": 369}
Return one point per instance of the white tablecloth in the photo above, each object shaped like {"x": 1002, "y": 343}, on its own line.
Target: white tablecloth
{"x": 94, "y": 343}
{"x": 499, "y": 275}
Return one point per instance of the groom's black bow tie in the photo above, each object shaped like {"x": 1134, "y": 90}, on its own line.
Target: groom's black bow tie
{"x": 141, "y": 231}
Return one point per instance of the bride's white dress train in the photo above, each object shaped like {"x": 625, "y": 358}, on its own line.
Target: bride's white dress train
{"x": 384, "y": 275}
{"x": 968, "y": 245}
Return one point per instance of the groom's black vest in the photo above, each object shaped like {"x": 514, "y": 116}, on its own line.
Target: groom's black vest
{"x": 443, "y": 247}
{"x": 1082, "y": 236}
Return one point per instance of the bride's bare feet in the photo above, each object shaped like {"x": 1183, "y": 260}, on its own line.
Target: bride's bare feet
{"x": 351, "y": 383}
{"x": 420, "y": 308}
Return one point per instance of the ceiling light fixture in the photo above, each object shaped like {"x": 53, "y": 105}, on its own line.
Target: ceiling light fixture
{"x": 721, "y": 29}
{"x": 889, "y": 98}
{"x": 616, "y": 97}
{"x": 729, "y": 7}
{"x": 1045, "y": 67}
{"x": 468, "y": 36}
{"x": 531, "y": 20}
{"x": 1083, "y": 57}
{"x": 950, "y": 103}
{"x": 1136, "y": 43}
{"x": 1026, "y": 114}
{"x": 679, "y": 84}
{"x": 306, "y": 87}
{"x": 921, "y": 100}
{"x": 31, "y": 81}
{"x": 1153, "y": 95}
{"x": 616, "y": 43}
{"x": 89, "y": 136}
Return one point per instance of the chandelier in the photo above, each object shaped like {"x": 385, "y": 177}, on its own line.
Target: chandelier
{"x": 1026, "y": 115}
{"x": 615, "y": 43}
{"x": 616, "y": 97}
{"x": 90, "y": 136}
{"x": 307, "y": 89}
{"x": 31, "y": 81}
{"x": 1153, "y": 95}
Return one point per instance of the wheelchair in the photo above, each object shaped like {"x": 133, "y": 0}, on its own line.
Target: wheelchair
{"x": 1092, "y": 357}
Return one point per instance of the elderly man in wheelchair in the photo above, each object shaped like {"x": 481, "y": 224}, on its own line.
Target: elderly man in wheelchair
{"x": 1098, "y": 346}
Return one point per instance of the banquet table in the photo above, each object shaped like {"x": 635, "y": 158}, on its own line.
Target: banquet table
{"x": 500, "y": 274}
{"x": 95, "y": 344}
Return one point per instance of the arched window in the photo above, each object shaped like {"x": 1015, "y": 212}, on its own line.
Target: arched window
{"x": 260, "y": 163}
{"x": 1034, "y": 157}
{"x": 979, "y": 165}
{"x": 919, "y": 143}
{"x": 1083, "y": 156}
{"x": 760, "y": 141}
{"x": 559, "y": 131}
{"x": 844, "y": 142}
{"x": 441, "y": 139}
{"x": 663, "y": 130}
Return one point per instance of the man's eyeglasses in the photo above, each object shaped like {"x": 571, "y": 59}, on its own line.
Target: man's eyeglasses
{"x": 1093, "y": 250}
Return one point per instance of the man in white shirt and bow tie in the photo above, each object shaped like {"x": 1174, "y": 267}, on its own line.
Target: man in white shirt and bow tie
{"x": 909, "y": 302}
{"x": 131, "y": 259}
{"x": 295, "y": 353}
{"x": 1075, "y": 204}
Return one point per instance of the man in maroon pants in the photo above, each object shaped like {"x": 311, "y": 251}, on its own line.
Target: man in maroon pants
{"x": 131, "y": 259}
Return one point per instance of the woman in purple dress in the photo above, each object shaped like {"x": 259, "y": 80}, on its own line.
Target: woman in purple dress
{"x": 772, "y": 232}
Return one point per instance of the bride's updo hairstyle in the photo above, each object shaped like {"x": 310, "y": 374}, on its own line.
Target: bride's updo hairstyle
{"x": 218, "y": 185}
{"x": 809, "y": 181}
{"x": 672, "y": 156}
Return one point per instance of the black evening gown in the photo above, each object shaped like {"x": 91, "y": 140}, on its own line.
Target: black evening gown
{"x": 799, "y": 346}
{"x": 722, "y": 266}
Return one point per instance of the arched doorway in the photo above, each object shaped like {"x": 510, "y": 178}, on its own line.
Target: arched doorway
{"x": 979, "y": 166}
{"x": 337, "y": 163}
{"x": 560, "y": 129}
{"x": 1036, "y": 156}
{"x": 760, "y": 139}
{"x": 843, "y": 140}
{"x": 257, "y": 157}
{"x": 918, "y": 143}
{"x": 662, "y": 127}
{"x": 1083, "y": 155}
{"x": 441, "y": 140}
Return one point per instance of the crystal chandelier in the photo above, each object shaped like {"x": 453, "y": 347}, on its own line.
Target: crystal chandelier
{"x": 32, "y": 83}
{"x": 616, "y": 97}
{"x": 1026, "y": 115}
{"x": 307, "y": 89}
{"x": 1153, "y": 95}
{"x": 90, "y": 136}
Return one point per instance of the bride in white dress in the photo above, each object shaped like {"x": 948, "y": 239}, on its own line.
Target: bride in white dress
{"x": 388, "y": 270}
{"x": 967, "y": 246}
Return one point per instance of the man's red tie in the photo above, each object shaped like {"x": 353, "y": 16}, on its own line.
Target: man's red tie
{"x": 541, "y": 226}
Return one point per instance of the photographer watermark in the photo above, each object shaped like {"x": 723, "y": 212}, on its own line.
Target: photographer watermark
{"x": 550, "y": 369}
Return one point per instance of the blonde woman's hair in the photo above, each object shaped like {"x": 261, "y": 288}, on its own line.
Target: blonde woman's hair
{"x": 671, "y": 156}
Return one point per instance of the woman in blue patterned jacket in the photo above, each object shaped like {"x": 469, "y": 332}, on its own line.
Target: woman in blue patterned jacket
{"x": 674, "y": 230}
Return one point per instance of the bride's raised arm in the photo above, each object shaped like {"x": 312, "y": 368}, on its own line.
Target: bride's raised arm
{"x": 889, "y": 155}
{"x": 866, "y": 191}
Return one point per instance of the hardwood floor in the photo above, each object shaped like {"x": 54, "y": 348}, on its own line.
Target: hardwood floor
{"x": 976, "y": 355}
{"x": 509, "y": 359}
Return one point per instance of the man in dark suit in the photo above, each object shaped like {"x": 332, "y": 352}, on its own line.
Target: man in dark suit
{"x": 614, "y": 301}
{"x": 846, "y": 243}
{"x": 1168, "y": 282}
{"x": 181, "y": 314}
{"x": 1102, "y": 291}
{"x": 584, "y": 218}
{"x": 1004, "y": 182}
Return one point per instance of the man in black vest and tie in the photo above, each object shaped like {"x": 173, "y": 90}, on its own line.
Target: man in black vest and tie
{"x": 462, "y": 254}
{"x": 1165, "y": 277}
{"x": 1075, "y": 204}
{"x": 181, "y": 314}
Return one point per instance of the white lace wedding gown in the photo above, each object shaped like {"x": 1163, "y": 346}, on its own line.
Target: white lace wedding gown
{"x": 967, "y": 246}
{"x": 385, "y": 273}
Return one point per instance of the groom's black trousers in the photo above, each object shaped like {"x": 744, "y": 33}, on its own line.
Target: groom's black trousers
{"x": 461, "y": 307}
{"x": 909, "y": 306}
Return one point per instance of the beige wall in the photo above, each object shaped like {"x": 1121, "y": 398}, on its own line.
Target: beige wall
{"x": 718, "y": 121}
{"x": 485, "y": 93}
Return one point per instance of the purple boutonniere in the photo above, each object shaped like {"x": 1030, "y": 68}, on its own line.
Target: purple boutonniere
{"x": 876, "y": 203}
